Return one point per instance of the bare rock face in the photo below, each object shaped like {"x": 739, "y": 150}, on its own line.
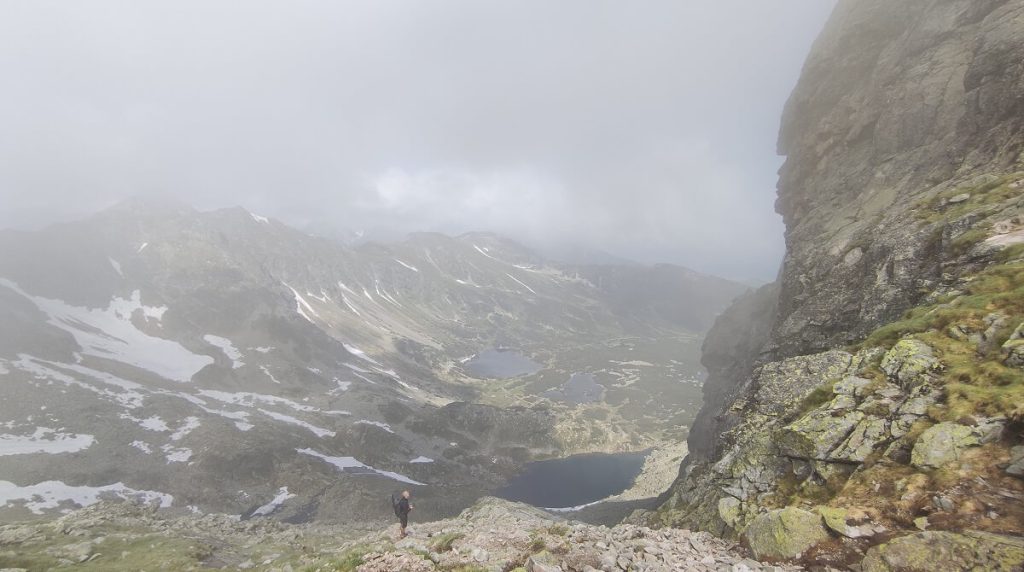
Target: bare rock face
{"x": 885, "y": 115}
{"x": 890, "y": 331}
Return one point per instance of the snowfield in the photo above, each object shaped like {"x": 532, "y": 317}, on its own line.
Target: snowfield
{"x": 44, "y": 440}
{"x": 52, "y": 494}
{"x": 354, "y": 466}
{"x": 110, "y": 333}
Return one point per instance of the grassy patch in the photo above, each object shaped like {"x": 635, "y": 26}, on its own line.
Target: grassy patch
{"x": 443, "y": 542}
{"x": 815, "y": 399}
{"x": 976, "y": 380}
{"x": 993, "y": 192}
{"x": 558, "y": 530}
{"x": 116, "y": 552}
{"x": 352, "y": 558}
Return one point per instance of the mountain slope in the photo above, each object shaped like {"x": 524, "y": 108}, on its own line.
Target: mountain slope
{"x": 874, "y": 392}
{"x": 227, "y": 360}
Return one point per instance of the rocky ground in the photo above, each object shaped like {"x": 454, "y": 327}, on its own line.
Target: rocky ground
{"x": 493, "y": 535}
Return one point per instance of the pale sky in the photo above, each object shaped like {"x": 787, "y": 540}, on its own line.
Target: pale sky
{"x": 646, "y": 129}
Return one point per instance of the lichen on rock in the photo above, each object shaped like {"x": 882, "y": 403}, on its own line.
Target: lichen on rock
{"x": 947, "y": 552}
{"x": 785, "y": 533}
{"x": 910, "y": 362}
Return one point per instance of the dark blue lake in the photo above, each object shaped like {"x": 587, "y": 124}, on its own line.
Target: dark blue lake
{"x": 501, "y": 364}
{"x": 575, "y": 480}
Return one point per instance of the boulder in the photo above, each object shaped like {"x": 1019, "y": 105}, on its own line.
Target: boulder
{"x": 785, "y": 533}
{"x": 816, "y": 434}
{"x": 942, "y": 444}
{"x": 1016, "y": 466}
{"x": 1013, "y": 349}
{"x": 729, "y": 510}
{"x": 910, "y": 362}
{"x": 851, "y": 523}
{"x": 852, "y": 385}
{"x": 538, "y": 563}
{"x": 947, "y": 552}
{"x": 867, "y": 435}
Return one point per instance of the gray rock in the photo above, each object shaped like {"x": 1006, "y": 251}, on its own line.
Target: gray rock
{"x": 947, "y": 552}
{"x": 942, "y": 444}
{"x": 785, "y": 533}
{"x": 1016, "y": 466}
{"x": 1013, "y": 348}
{"x": 961, "y": 198}
{"x": 910, "y": 362}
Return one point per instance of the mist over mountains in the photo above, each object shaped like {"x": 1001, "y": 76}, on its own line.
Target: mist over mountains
{"x": 222, "y": 359}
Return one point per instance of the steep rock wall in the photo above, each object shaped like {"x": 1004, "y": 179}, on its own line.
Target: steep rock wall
{"x": 903, "y": 191}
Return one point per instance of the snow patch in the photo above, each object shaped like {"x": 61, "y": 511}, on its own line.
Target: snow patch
{"x": 409, "y": 266}
{"x": 302, "y": 306}
{"x": 176, "y": 455}
{"x": 359, "y": 354}
{"x": 354, "y": 466}
{"x": 117, "y": 267}
{"x": 318, "y": 431}
{"x": 44, "y": 440}
{"x": 270, "y": 507}
{"x": 383, "y": 426}
{"x": 109, "y": 333}
{"x": 227, "y": 347}
{"x": 270, "y": 375}
{"x": 143, "y": 446}
{"x": 52, "y": 494}
{"x": 142, "y": 247}
{"x": 153, "y": 423}
{"x": 187, "y": 427}
{"x": 130, "y": 398}
{"x": 521, "y": 283}
{"x": 422, "y": 459}
{"x": 245, "y": 399}
{"x": 259, "y": 218}
{"x": 264, "y": 349}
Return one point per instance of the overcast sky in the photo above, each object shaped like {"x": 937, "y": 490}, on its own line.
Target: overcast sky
{"x": 646, "y": 128}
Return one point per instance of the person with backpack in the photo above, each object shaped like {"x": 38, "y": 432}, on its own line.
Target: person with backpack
{"x": 402, "y": 509}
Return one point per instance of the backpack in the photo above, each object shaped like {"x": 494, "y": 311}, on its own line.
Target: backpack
{"x": 395, "y": 505}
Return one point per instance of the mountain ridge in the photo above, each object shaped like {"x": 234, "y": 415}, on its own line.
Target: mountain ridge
{"x": 232, "y": 352}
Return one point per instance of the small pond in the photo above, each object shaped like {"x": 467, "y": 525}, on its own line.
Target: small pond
{"x": 574, "y": 481}
{"x": 501, "y": 364}
{"x": 581, "y": 388}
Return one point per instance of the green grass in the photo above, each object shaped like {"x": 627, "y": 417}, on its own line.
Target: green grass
{"x": 976, "y": 384}
{"x": 443, "y": 542}
{"x": 558, "y": 530}
{"x": 117, "y": 552}
{"x": 820, "y": 396}
{"x": 350, "y": 559}
{"x": 991, "y": 193}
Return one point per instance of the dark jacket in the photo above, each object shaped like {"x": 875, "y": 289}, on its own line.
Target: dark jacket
{"x": 403, "y": 506}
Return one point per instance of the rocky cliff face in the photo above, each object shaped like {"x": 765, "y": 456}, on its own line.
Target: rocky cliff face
{"x": 893, "y": 325}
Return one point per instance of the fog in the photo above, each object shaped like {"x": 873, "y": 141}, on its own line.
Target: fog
{"x": 644, "y": 129}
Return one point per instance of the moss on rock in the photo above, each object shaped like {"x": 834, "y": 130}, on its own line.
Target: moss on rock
{"x": 942, "y": 444}
{"x": 785, "y": 533}
{"x": 947, "y": 552}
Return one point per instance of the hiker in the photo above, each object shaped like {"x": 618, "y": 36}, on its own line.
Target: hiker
{"x": 402, "y": 510}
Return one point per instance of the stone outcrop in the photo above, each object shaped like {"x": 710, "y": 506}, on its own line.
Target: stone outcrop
{"x": 884, "y": 359}
{"x": 785, "y": 533}
{"x": 884, "y": 116}
{"x": 947, "y": 552}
